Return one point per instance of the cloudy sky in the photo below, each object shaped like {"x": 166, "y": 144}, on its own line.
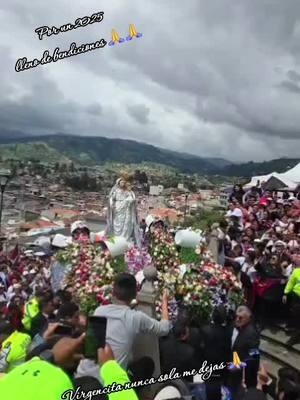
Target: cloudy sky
{"x": 212, "y": 78}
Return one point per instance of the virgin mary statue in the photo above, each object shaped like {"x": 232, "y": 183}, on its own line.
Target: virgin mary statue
{"x": 122, "y": 212}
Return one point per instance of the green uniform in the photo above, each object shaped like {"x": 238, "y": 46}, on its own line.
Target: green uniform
{"x": 31, "y": 310}
{"x": 14, "y": 350}
{"x": 293, "y": 285}
{"x": 40, "y": 380}
{"x": 112, "y": 372}
{"x": 35, "y": 380}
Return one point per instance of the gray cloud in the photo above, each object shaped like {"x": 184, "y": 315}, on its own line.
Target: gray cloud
{"x": 211, "y": 77}
{"x": 290, "y": 86}
{"x": 94, "y": 109}
{"x": 139, "y": 112}
{"x": 291, "y": 83}
{"x": 294, "y": 76}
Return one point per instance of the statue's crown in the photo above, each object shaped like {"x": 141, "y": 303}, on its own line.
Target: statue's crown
{"x": 126, "y": 176}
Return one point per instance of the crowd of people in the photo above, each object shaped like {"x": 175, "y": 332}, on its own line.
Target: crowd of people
{"x": 259, "y": 239}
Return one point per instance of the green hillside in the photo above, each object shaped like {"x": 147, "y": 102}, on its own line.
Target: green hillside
{"x": 31, "y": 152}
{"x": 97, "y": 150}
{"x": 261, "y": 168}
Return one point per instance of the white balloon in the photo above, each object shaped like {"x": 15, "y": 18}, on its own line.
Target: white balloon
{"x": 188, "y": 238}
{"x": 117, "y": 246}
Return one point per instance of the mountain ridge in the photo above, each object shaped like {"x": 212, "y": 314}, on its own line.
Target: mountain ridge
{"x": 93, "y": 150}
{"x": 96, "y": 149}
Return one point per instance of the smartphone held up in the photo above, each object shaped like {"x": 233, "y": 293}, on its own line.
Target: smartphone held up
{"x": 95, "y": 336}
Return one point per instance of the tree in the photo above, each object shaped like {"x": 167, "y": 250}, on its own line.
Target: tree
{"x": 143, "y": 178}
{"x": 83, "y": 182}
{"x": 14, "y": 170}
{"x": 137, "y": 174}
{"x": 62, "y": 168}
{"x": 191, "y": 186}
{"x": 72, "y": 167}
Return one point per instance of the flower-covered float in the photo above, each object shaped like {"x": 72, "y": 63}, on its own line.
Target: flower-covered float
{"x": 89, "y": 268}
{"x": 89, "y": 272}
{"x": 193, "y": 279}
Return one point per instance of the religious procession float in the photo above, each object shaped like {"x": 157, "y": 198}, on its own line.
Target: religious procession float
{"x": 184, "y": 265}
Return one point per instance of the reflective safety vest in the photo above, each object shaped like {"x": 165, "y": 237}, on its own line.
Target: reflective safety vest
{"x": 35, "y": 380}
{"x": 293, "y": 285}
{"x": 31, "y": 310}
{"x": 14, "y": 350}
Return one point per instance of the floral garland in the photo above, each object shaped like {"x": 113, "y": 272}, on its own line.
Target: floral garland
{"x": 200, "y": 285}
{"x": 201, "y": 288}
{"x": 164, "y": 252}
{"x": 91, "y": 274}
{"x": 70, "y": 254}
{"x": 137, "y": 259}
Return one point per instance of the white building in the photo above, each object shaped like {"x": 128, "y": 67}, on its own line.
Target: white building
{"x": 156, "y": 190}
{"x": 205, "y": 193}
{"x": 223, "y": 199}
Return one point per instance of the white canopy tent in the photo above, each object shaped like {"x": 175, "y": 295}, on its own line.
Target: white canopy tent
{"x": 289, "y": 179}
{"x": 293, "y": 174}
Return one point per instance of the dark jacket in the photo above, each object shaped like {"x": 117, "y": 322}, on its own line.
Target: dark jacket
{"x": 216, "y": 343}
{"x": 247, "y": 339}
{"x": 38, "y": 325}
{"x": 176, "y": 354}
{"x": 237, "y": 195}
{"x": 254, "y": 394}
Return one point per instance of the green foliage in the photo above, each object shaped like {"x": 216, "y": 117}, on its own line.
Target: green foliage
{"x": 261, "y": 168}
{"x": 150, "y": 169}
{"x": 89, "y": 304}
{"x": 188, "y": 256}
{"x": 204, "y": 219}
{"x": 118, "y": 264}
{"x": 201, "y": 315}
{"x": 83, "y": 182}
{"x": 140, "y": 176}
{"x": 237, "y": 297}
{"x": 36, "y": 151}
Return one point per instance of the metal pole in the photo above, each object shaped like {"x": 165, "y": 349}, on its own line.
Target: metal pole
{"x": 1, "y": 206}
{"x": 185, "y": 208}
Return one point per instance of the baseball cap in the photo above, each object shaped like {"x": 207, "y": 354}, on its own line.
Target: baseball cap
{"x": 237, "y": 213}
{"x": 78, "y": 225}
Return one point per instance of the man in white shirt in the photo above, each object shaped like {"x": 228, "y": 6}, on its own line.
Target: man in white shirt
{"x": 124, "y": 324}
{"x": 248, "y": 265}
